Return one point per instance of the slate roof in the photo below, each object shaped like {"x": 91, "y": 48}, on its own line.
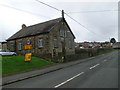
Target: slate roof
{"x": 36, "y": 29}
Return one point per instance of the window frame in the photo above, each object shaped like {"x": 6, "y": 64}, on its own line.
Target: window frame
{"x": 40, "y": 42}
{"x": 12, "y": 45}
{"x": 20, "y": 45}
{"x": 70, "y": 44}
{"x": 62, "y": 32}
{"x": 55, "y": 41}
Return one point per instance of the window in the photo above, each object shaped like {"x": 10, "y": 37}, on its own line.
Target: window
{"x": 62, "y": 32}
{"x": 19, "y": 45}
{"x": 55, "y": 43}
{"x": 70, "y": 44}
{"x": 65, "y": 33}
{"x": 40, "y": 42}
{"x": 12, "y": 47}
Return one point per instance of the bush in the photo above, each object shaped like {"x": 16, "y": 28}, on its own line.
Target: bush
{"x": 89, "y": 51}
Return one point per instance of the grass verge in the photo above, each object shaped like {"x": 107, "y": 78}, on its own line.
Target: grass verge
{"x": 12, "y": 64}
{"x": 106, "y": 51}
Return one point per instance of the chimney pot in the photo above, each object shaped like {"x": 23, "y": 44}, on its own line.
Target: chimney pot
{"x": 23, "y": 26}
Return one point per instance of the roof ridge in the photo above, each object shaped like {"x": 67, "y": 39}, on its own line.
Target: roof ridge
{"x": 44, "y": 22}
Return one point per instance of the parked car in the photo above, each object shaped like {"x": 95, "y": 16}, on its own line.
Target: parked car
{"x": 6, "y": 52}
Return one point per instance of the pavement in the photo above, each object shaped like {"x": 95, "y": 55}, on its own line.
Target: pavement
{"x": 80, "y": 74}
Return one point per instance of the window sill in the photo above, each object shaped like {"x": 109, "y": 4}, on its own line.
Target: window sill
{"x": 40, "y": 47}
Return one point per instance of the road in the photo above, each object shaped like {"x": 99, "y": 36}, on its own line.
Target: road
{"x": 99, "y": 72}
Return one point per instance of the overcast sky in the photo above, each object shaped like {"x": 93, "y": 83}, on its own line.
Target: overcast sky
{"x": 101, "y": 23}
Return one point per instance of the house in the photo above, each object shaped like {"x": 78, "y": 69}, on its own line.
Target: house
{"x": 87, "y": 45}
{"x": 4, "y": 45}
{"x": 106, "y": 44}
{"x": 49, "y": 39}
{"x": 116, "y": 45}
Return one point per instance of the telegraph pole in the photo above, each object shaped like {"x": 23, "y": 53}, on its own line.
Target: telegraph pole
{"x": 62, "y": 13}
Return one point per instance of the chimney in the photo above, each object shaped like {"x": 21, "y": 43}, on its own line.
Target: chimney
{"x": 23, "y": 26}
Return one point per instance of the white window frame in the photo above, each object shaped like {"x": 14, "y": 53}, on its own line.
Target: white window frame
{"x": 12, "y": 46}
{"x": 55, "y": 43}
{"x": 70, "y": 44}
{"x": 40, "y": 42}
{"x": 62, "y": 32}
{"x": 19, "y": 45}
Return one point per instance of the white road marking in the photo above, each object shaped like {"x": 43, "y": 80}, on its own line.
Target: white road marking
{"x": 104, "y": 60}
{"x": 68, "y": 80}
{"x": 92, "y": 57}
{"x": 94, "y": 66}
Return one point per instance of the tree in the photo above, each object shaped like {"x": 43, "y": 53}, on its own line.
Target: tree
{"x": 112, "y": 40}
